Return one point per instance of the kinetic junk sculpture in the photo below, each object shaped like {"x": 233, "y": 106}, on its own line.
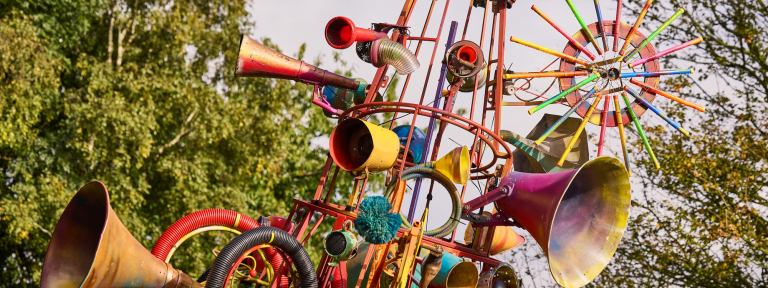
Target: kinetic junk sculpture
{"x": 575, "y": 208}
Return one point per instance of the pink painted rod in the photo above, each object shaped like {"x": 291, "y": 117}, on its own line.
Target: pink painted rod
{"x": 569, "y": 37}
{"x": 603, "y": 127}
{"x": 665, "y": 52}
{"x": 616, "y": 26}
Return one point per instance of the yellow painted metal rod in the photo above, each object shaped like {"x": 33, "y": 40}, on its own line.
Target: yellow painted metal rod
{"x": 621, "y": 133}
{"x": 548, "y": 51}
{"x": 578, "y": 131}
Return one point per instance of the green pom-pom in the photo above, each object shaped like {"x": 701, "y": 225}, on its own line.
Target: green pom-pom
{"x": 375, "y": 222}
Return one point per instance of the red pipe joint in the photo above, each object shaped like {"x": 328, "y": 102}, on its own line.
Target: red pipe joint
{"x": 341, "y": 33}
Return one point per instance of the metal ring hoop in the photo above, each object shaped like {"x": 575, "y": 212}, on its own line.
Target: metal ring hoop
{"x": 447, "y": 117}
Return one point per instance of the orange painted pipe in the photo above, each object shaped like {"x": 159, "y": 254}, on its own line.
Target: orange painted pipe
{"x": 634, "y": 28}
{"x": 668, "y": 95}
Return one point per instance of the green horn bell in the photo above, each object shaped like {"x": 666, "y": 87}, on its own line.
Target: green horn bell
{"x": 532, "y": 158}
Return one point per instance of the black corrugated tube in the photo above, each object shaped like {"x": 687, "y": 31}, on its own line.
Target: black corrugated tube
{"x": 258, "y": 236}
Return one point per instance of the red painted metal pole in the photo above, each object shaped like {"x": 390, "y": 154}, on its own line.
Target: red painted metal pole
{"x": 405, "y": 15}
{"x": 466, "y": 23}
{"x": 477, "y": 79}
{"x": 418, "y": 48}
{"x": 499, "y": 69}
{"x": 323, "y": 178}
{"x": 426, "y": 81}
{"x": 434, "y": 51}
{"x": 616, "y": 29}
{"x": 472, "y": 113}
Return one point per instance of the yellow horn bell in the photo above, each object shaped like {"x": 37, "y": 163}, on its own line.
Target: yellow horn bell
{"x": 356, "y": 145}
{"x": 454, "y": 165}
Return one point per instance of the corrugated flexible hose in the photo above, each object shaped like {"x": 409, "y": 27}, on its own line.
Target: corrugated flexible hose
{"x": 199, "y": 219}
{"x": 257, "y": 236}
{"x": 210, "y": 217}
{"x": 395, "y": 54}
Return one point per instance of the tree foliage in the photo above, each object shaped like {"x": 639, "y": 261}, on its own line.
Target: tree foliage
{"x": 140, "y": 95}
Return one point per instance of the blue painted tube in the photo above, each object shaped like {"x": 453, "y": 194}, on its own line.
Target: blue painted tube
{"x": 564, "y": 117}
{"x": 431, "y": 128}
{"x": 600, "y": 26}
{"x": 656, "y": 73}
{"x": 656, "y": 110}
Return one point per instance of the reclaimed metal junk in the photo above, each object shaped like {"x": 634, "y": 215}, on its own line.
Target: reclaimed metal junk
{"x": 576, "y": 207}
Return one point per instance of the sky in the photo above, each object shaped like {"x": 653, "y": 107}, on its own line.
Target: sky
{"x": 289, "y": 24}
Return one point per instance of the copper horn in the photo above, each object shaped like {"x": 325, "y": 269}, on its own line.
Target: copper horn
{"x": 256, "y": 60}
{"x": 341, "y": 33}
{"x": 577, "y": 217}
{"x": 90, "y": 247}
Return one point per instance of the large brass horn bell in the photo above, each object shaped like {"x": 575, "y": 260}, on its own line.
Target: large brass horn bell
{"x": 577, "y": 217}
{"x": 90, "y": 247}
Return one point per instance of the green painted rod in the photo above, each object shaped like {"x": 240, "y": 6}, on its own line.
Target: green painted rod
{"x": 566, "y": 92}
{"x": 640, "y": 129}
{"x": 584, "y": 27}
{"x": 653, "y": 35}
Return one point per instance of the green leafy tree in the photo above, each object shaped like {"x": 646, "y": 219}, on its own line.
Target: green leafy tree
{"x": 702, "y": 220}
{"x": 140, "y": 95}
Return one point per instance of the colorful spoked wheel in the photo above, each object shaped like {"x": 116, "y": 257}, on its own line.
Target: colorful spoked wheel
{"x": 624, "y": 69}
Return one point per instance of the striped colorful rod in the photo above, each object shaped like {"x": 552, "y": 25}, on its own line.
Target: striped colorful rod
{"x": 557, "y": 74}
{"x": 569, "y": 37}
{"x": 548, "y": 51}
{"x": 578, "y": 130}
{"x": 640, "y": 130}
{"x": 616, "y": 26}
{"x": 566, "y": 92}
{"x": 656, "y": 73}
{"x": 632, "y": 31}
{"x": 656, "y": 110}
{"x": 653, "y": 35}
{"x": 584, "y": 27}
{"x": 564, "y": 117}
{"x": 667, "y": 94}
{"x": 604, "y": 119}
{"x": 600, "y": 24}
{"x": 665, "y": 52}
{"x": 619, "y": 124}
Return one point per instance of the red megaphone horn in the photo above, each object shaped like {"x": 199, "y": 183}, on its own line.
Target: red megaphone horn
{"x": 342, "y": 33}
